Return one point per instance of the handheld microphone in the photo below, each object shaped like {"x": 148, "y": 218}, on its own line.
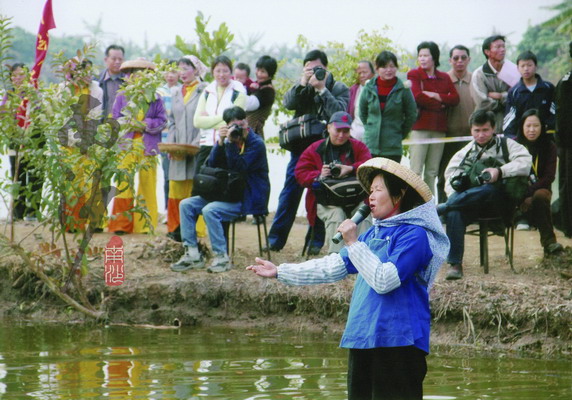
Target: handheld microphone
{"x": 357, "y": 218}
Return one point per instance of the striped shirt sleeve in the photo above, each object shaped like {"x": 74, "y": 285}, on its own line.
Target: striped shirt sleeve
{"x": 381, "y": 277}
{"x": 312, "y": 272}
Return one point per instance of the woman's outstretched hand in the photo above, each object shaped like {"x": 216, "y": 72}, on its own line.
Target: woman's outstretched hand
{"x": 263, "y": 268}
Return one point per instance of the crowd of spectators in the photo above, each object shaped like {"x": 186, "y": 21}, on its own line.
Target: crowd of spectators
{"x": 455, "y": 120}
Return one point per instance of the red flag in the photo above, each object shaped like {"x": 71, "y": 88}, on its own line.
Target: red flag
{"x": 43, "y": 40}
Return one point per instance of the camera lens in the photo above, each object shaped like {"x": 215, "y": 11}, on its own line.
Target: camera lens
{"x": 486, "y": 176}
{"x": 235, "y": 130}
{"x": 460, "y": 182}
{"x": 335, "y": 171}
{"x": 319, "y": 73}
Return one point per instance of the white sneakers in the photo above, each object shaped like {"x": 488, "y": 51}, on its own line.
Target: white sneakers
{"x": 192, "y": 259}
{"x": 221, "y": 263}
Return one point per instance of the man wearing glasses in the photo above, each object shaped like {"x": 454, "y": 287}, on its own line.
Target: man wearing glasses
{"x": 458, "y": 116}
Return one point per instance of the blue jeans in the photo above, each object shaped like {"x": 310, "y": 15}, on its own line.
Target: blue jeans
{"x": 463, "y": 208}
{"x": 214, "y": 213}
{"x": 286, "y": 213}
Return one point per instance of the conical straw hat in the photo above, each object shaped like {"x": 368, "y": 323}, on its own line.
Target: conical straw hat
{"x": 364, "y": 174}
{"x": 137, "y": 63}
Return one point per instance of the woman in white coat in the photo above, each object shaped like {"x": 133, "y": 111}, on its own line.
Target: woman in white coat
{"x": 222, "y": 93}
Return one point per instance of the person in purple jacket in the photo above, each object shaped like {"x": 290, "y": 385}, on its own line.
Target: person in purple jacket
{"x": 387, "y": 331}
{"x": 141, "y": 148}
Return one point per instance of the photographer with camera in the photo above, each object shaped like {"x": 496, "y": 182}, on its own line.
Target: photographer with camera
{"x": 238, "y": 150}
{"x": 333, "y": 162}
{"x": 320, "y": 95}
{"x": 472, "y": 191}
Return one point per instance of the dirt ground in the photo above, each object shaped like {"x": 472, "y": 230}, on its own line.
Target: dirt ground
{"x": 529, "y": 310}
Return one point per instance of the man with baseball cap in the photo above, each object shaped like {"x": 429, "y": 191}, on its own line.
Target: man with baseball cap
{"x": 316, "y": 93}
{"x": 338, "y": 157}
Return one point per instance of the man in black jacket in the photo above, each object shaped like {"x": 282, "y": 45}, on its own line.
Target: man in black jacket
{"x": 316, "y": 93}
{"x": 563, "y": 101}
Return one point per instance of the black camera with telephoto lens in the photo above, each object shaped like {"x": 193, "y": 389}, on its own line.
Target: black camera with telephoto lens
{"x": 461, "y": 182}
{"x": 484, "y": 177}
{"x": 335, "y": 169}
{"x": 319, "y": 73}
{"x": 235, "y": 131}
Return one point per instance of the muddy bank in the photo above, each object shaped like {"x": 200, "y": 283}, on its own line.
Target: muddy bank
{"x": 528, "y": 312}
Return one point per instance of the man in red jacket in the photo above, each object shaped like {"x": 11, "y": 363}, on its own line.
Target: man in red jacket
{"x": 337, "y": 156}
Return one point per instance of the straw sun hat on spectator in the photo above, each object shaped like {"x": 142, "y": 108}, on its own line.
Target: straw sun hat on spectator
{"x": 139, "y": 63}
{"x": 364, "y": 174}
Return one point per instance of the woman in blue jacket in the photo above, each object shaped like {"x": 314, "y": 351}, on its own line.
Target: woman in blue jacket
{"x": 387, "y": 331}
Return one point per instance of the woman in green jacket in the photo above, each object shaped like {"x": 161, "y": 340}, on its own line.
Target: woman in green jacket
{"x": 387, "y": 109}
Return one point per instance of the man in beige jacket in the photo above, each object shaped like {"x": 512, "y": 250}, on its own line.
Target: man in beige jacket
{"x": 457, "y": 116}
{"x": 466, "y": 202}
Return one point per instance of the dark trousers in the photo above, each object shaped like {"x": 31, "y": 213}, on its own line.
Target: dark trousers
{"x": 27, "y": 181}
{"x": 286, "y": 213}
{"x": 165, "y": 164}
{"x": 463, "y": 208}
{"x": 448, "y": 152}
{"x": 565, "y": 188}
{"x": 541, "y": 216}
{"x": 386, "y": 373}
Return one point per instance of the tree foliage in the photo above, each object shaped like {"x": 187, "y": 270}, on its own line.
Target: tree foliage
{"x": 551, "y": 50}
{"x": 208, "y": 44}
{"x": 563, "y": 20}
{"x": 76, "y": 156}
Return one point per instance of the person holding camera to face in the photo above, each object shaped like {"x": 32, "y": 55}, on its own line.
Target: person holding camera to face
{"x": 334, "y": 158}
{"x": 471, "y": 191}
{"x": 238, "y": 149}
{"x": 316, "y": 93}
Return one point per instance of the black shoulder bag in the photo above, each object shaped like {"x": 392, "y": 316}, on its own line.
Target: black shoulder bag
{"x": 514, "y": 187}
{"x": 340, "y": 191}
{"x": 219, "y": 184}
{"x": 298, "y": 133}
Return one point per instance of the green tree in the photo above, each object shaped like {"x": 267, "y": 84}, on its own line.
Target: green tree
{"x": 58, "y": 113}
{"x": 550, "y": 49}
{"x": 23, "y": 50}
{"x": 208, "y": 44}
{"x": 563, "y": 20}
{"x": 37, "y": 143}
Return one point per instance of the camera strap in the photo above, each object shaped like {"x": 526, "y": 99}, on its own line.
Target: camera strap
{"x": 478, "y": 156}
{"x": 326, "y": 152}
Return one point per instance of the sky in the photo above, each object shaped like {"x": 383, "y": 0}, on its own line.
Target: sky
{"x": 410, "y": 21}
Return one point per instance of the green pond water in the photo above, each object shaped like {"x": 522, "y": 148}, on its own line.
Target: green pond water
{"x": 79, "y": 362}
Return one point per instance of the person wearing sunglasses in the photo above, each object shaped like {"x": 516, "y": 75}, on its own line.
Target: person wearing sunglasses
{"x": 457, "y": 116}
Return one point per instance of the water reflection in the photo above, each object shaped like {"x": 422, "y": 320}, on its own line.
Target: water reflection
{"x": 48, "y": 362}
